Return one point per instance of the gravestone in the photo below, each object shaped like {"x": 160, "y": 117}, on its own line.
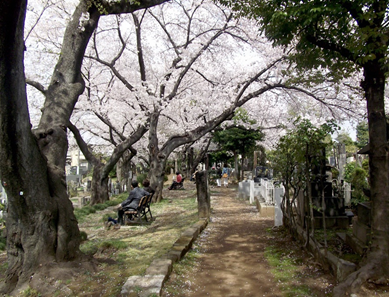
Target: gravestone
{"x": 361, "y": 236}
{"x": 278, "y": 194}
{"x": 333, "y": 206}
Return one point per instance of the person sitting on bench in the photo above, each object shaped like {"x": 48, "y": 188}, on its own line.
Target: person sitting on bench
{"x": 146, "y": 186}
{"x": 177, "y": 181}
{"x": 132, "y": 201}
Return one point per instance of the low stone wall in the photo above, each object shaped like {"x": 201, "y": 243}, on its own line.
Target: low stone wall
{"x": 339, "y": 267}
{"x": 264, "y": 209}
{"x": 159, "y": 270}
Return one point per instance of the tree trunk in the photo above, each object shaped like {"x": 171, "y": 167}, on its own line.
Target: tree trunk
{"x": 41, "y": 227}
{"x": 123, "y": 169}
{"x": 101, "y": 171}
{"x": 236, "y": 172}
{"x": 191, "y": 168}
{"x": 376, "y": 268}
{"x": 99, "y": 185}
{"x": 203, "y": 195}
{"x": 157, "y": 159}
{"x": 200, "y": 156}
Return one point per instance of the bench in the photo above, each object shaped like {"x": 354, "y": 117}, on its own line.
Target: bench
{"x": 138, "y": 213}
{"x": 141, "y": 211}
{"x": 147, "y": 209}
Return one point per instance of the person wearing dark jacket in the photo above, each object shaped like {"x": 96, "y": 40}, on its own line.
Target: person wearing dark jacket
{"x": 132, "y": 201}
{"x": 146, "y": 186}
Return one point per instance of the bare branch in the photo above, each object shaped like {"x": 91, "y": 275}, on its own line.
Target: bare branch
{"x": 36, "y": 85}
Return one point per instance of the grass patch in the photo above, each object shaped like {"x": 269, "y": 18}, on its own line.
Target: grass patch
{"x": 30, "y": 293}
{"x": 285, "y": 267}
{"x": 121, "y": 253}
{"x": 184, "y": 267}
{"x": 83, "y": 212}
{"x": 113, "y": 243}
{"x": 336, "y": 245}
{"x": 131, "y": 249}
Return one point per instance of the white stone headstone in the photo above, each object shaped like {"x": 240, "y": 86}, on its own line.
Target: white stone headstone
{"x": 347, "y": 194}
{"x": 278, "y": 194}
{"x": 251, "y": 191}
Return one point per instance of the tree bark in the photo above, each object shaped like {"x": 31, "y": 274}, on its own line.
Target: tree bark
{"x": 157, "y": 159}
{"x": 200, "y": 156}
{"x": 376, "y": 268}
{"x": 203, "y": 195}
{"x": 101, "y": 170}
{"x": 124, "y": 167}
{"x": 41, "y": 226}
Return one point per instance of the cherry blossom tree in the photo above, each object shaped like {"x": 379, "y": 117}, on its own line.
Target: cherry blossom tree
{"x": 41, "y": 227}
{"x": 198, "y": 73}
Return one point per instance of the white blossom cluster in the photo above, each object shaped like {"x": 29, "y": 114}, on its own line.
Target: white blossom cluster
{"x": 204, "y": 61}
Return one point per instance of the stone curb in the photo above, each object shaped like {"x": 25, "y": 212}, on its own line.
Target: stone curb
{"x": 340, "y": 268}
{"x": 159, "y": 270}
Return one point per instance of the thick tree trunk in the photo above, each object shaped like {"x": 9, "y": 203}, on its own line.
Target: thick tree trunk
{"x": 99, "y": 185}
{"x": 41, "y": 227}
{"x": 157, "y": 159}
{"x": 376, "y": 268}
{"x": 190, "y": 168}
{"x": 123, "y": 169}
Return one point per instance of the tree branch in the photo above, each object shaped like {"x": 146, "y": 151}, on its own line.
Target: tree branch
{"x": 36, "y": 85}
{"x": 82, "y": 144}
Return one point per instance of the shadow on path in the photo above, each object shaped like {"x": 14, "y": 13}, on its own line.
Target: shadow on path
{"x": 231, "y": 248}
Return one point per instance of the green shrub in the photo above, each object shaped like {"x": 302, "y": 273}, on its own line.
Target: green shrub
{"x": 83, "y": 235}
{"x": 84, "y": 211}
{"x": 141, "y": 177}
{"x": 348, "y": 170}
{"x": 111, "y": 202}
{"x": 100, "y": 206}
{"x": 89, "y": 209}
{"x": 358, "y": 183}
{"x": 3, "y": 243}
{"x": 357, "y": 176}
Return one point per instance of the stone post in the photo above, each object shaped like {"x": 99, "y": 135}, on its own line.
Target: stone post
{"x": 251, "y": 191}
{"x": 342, "y": 161}
{"x": 255, "y": 164}
{"x": 203, "y": 195}
{"x": 278, "y": 216}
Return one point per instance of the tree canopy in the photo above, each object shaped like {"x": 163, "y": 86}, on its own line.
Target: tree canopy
{"x": 336, "y": 35}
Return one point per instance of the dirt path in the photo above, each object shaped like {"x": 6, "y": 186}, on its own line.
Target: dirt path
{"x": 232, "y": 261}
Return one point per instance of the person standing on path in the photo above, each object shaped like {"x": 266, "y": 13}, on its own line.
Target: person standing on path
{"x": 218, "y": 176}
{"x": 225, "y": 175}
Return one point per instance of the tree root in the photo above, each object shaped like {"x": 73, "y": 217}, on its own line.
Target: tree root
{"x": 371, "y": 272}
